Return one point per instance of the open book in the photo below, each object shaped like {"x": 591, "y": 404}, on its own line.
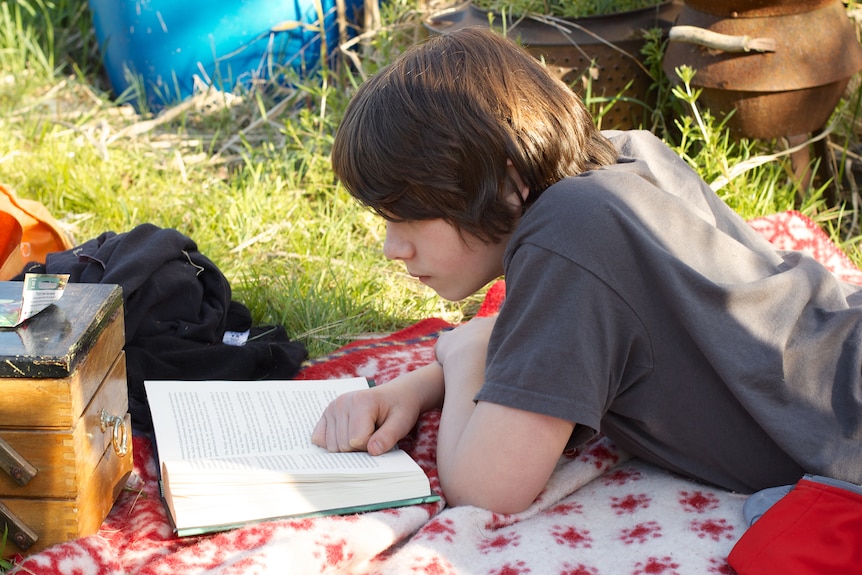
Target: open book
{"x": 236, "y": 452}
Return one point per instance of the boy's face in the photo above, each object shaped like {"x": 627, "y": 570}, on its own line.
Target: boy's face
{"x": 452, "y": 264}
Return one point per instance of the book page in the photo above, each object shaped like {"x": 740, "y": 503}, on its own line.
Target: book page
{"x": 229, "y": 419}
{"x": 249, "y": 443}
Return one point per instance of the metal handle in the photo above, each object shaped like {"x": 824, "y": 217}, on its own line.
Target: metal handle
{"x": 717, "y": 41}
{"x": 19, "y": 532}
{"x": 16, "y": 466}
{"x": 120, "y": 435}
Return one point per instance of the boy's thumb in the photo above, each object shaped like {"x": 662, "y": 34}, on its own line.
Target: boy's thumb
{"x": 381, "y": 441}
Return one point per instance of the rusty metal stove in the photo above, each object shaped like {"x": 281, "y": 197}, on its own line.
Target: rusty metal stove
{"x": 789, "y": 88}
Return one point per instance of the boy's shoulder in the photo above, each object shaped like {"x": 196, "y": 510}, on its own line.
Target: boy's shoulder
{"x": 643, "y": 151}
{"x": 640, "y": 144}
{"x": 648, "y": 186}
{"x": 648, "y": 174}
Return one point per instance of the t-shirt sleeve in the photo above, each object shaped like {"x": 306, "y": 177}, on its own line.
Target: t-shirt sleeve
{"x": 565, "y": 344}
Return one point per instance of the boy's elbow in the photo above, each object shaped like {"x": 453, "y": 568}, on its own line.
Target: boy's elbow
{"x": 502, "y": 476}
{"x": 508, "y": 507}
{"x": 491, "y": 495}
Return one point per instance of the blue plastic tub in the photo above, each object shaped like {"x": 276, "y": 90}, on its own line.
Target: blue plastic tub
{"x": 164, "y": 44}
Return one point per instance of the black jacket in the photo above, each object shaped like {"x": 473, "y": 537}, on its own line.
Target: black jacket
{"x": 178, "y": 307}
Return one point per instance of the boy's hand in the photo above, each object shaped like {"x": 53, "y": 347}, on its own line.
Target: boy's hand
{"x": 375, "y": 419}
{"x": 470, "y": 338}
{"x": 367, "y": 420}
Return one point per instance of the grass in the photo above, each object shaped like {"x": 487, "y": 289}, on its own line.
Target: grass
{"x": 4, "y": 564}
{"x": 248, "y": 177}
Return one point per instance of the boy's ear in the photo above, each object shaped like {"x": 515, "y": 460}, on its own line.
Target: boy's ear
{"x": 515, "y": 177}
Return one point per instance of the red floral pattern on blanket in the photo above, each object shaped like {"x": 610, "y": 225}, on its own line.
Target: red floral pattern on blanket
{"x": 601, "y": 513}
{"x": 795, "y": 232}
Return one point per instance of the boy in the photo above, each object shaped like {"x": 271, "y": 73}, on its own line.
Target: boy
{"x": 638, "y": 304}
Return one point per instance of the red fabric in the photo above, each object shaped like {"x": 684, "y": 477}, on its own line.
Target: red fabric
{"x": 493, "y": 299}
{"x": 602, "y": 512}
{"x": 816, "y": 529}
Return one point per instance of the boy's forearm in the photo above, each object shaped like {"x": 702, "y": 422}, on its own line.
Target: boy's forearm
{"x": 489, "y": 455}
{"x": 425, "y": 384}
{"x": 463, "y": 375}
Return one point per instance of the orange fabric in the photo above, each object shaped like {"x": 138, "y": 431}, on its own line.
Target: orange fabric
{"x": 816, "y": 529}
{"x": 28, "y": 233}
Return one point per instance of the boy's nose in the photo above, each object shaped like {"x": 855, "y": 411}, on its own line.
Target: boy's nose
{"x": 395, "y": 246}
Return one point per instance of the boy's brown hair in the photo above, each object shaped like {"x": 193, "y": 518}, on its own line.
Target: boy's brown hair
{"x": 429, "y": 135}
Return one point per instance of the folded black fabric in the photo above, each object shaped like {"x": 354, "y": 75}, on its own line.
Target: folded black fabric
{"x": 178, "y": 306}
{"x": 169, "y": 287}
{"x": 166, "y": 357}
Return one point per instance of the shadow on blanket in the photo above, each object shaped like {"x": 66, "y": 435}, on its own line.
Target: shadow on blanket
{"x": 602, "y": 512}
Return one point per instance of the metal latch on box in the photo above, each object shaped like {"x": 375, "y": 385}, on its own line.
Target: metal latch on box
{"x": 120, "y": 433}
{"x": 18, "y": 531}
{"x": 20, "y": 470}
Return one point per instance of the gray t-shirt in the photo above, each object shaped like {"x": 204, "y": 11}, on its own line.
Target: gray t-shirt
{"x": 640, "y": 305}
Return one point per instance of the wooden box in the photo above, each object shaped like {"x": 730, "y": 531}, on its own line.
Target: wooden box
{"x": 65, "y": 434}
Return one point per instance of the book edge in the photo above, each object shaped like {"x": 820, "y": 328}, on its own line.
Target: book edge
{"x": 207, "y": 529}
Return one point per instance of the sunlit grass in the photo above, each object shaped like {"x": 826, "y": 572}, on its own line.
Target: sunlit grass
{"x": 247, "y": 177}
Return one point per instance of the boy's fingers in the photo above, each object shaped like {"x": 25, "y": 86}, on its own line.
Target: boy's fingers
{"x": 359, "y": 430}
{"x": 351, "y": 420}
{"x": 361, "y": 421}
{"x": 324, "y": 434}
{"x": 388, "y": 434}
{"x": 332, "y": 434}
{"x": 380, "y": 443}
{"x": 318, "y": 434}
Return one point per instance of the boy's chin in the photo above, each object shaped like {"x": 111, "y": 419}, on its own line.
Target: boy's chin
{"x": 455, "y": 294}
{"x": 451, "y": 298}
{"x": 452, "y": 295}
